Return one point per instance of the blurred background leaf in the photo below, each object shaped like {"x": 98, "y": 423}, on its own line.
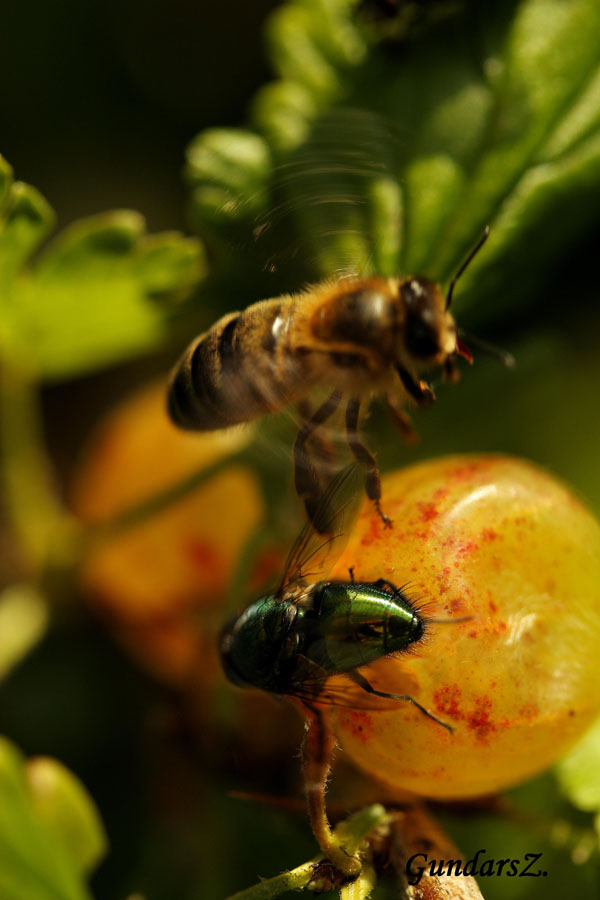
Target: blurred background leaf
{"x": 92, "y": 297}
{"x": 23, "y": 619}
{"x": 50, "y": 834}
{"x": 393, "y": 159}
{"x": 579, "y": 772}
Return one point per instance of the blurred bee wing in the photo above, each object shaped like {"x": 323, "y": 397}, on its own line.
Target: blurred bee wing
{"x": 322, "y": 540}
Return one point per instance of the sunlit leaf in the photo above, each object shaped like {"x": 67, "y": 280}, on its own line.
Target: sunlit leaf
{"x": 49, "y": 832}
{"x": 23, "y": 620}
{"x": 5, "y": 178}
{"x": 392, "y": 157}
{"x": 93, "y": 297}
{"x": 228, "y": 169}
{"x": 64, "y": 806}
{"x": 24, "y": 223}
{"x": 579, "y": 771}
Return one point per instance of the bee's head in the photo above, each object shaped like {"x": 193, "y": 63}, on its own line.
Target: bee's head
{"x": 429, "y": 329}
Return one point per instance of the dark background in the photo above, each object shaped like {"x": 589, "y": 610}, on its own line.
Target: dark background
{"x": 100, "y": 98}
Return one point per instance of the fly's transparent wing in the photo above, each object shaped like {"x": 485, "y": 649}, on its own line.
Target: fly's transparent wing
{"x": 317, "y": 686}
{"x": 321, "y": 541}
{"x": 341, "y": 691}
{"x": 360, "y": 695}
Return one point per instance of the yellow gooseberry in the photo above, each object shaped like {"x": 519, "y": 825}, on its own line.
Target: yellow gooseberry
{"x": 506, "y": 544}
{"x": 155, "y": 579}
{"x": 163, "y": 584}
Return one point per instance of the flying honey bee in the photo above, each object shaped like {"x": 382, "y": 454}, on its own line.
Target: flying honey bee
{"x": 357, "y": 337}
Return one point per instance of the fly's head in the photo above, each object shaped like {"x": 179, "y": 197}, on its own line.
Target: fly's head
{"x": 256, "y": 645}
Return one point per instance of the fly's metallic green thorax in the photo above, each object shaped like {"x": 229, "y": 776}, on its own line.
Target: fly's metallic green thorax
{"x": 334, "y": 627}
{"x": 351, "y": 624}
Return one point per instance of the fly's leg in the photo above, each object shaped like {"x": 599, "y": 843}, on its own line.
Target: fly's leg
{"x": 306, "y": 477}
{"x": 364, "y": 456}
{"x": 402, "y": 421}
{"x": 362, "y": 682}
{"x": 420, "y": 391}
{"x": 317, "y": 754}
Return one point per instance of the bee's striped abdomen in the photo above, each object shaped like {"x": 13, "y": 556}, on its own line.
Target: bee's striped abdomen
{"x": 232, "y": 373}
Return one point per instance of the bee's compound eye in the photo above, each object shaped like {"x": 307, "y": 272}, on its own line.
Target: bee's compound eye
{"x": 421, "y": 337}
{"x": 413, "y": 291}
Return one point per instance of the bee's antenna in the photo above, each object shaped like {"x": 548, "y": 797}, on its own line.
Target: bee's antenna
{"x": 503, "y": 356}
{"x": 474, "y": 251}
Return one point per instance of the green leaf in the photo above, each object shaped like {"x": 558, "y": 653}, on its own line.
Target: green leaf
{"x": 579, "y": 772}
{"x": 167, "y": 266}
{"x": 23, "y": 620}
{"x": 64, "y": 806}
{"x": 25, "y": 222}
{"x": 312, "y": 41}
{"x": 392, "y": 158}
{"x": 5, "y": 179}
{"x": 95, "y": 295}
{"x": 229, "y": 170}
{"x": 284, "y": 111}
{"x": 49, "y": 831}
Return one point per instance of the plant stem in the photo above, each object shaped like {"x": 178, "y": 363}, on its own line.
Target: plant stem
{"x": 293, "y": 880}
{"x": 153, "y": 505}
{"x": 353, "y": 831}
{"x": 362, "y": 887}
{"x": 415, "y": 831}
{"x": 32, "y": 505}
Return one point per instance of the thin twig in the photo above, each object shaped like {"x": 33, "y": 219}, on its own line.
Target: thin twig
{"x": 154, "y": 504}
{"x": 39, "y": 522}
{"x": 293, "y": 880}
{"x": 353, "y": 831}
{"x": 362, "y": 887}
{"x": 416, "y": 832}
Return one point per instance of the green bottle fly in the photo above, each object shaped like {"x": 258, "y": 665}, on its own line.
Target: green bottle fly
{"x": 293, "y": 641}
{"x": 281, "y": 645}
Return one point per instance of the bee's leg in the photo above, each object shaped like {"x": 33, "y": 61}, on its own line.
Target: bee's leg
{"x": 451, "y": 370}
{"x": 364, "y": 456}
{"x": 317, "y": 753}
{"x": 418, "y": 390}
{"x": 402, "y": 420}
{"x": 362, "y": 682}
{"x": 321, "y": 449}
{"x": 306, "y": 476}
